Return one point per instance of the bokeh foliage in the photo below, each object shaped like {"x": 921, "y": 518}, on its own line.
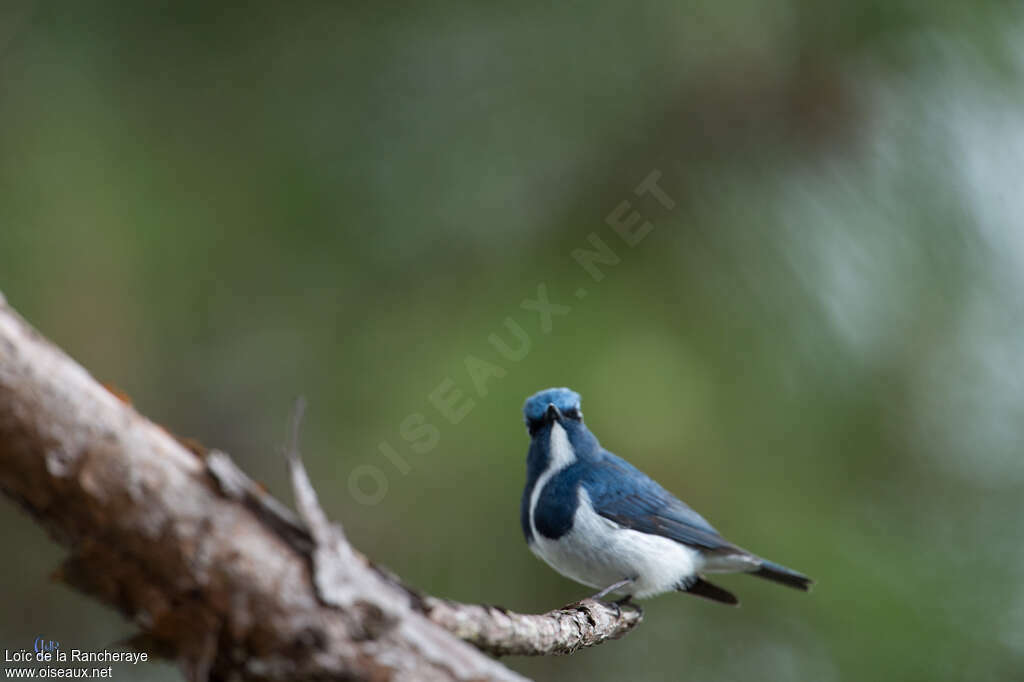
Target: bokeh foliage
{"x": 218, "y": 207}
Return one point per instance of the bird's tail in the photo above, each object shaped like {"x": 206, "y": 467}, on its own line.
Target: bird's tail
{"x": 785, "y": 576}
{"x": 702, "y": 588}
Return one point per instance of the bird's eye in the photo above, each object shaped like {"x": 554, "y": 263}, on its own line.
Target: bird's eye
{"x": 574, "y": 413}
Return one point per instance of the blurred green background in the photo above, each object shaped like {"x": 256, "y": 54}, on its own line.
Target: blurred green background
{"x": 217, "y": 208}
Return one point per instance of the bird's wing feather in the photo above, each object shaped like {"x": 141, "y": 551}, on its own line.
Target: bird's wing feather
{"x": 622, "y": 493}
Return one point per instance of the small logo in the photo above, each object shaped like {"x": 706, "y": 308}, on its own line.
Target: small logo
{"x": 42, "y": 644}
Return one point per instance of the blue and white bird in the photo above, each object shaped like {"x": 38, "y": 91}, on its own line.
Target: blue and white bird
{"x": 597, "y": 519}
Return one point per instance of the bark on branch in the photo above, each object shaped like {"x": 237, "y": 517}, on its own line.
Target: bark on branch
{"x": 215, "y": 572}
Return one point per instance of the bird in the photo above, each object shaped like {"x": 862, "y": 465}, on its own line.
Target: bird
{"x": 598, "y": 520}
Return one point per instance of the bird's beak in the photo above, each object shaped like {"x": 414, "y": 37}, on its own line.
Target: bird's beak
{"x": 553, "y": 413}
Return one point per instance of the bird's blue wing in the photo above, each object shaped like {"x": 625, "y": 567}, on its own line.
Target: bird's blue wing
{"x": 622, "y": 493}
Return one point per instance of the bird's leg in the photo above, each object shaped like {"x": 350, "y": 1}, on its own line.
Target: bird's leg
{"x": 611, "y": 588}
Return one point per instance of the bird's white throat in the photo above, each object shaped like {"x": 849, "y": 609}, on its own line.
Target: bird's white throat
{"x": 560, "y": 455}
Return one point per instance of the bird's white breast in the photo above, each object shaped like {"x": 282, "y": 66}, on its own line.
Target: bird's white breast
{"x": 599, "y": 552}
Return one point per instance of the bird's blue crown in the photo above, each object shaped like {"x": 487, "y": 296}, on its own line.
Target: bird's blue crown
{"x": 566, "y": 400}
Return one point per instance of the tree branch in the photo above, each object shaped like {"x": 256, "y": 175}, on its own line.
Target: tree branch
{"x": 219, "y": 575}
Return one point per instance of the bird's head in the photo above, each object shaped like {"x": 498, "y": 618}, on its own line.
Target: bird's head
{"x": 550, "y": 405}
